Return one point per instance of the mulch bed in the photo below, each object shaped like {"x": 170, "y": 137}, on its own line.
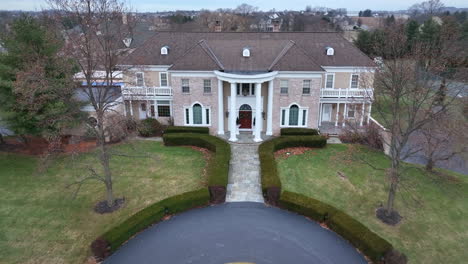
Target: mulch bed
{"x": 38, "y": 146}
{"x": 287, "y": 152}
{"x": 102, "y": 208}
{"x": 393, "y": 219}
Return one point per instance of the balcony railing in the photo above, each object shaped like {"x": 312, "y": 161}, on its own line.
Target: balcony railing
{"x": 146, "y": 92}
{"x": 346, "y": 93}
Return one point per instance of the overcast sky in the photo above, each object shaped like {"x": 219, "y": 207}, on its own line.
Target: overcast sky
{"x": 164, "y": 5}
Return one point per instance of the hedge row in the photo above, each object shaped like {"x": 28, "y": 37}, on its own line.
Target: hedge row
{"x": 218, "y": 167}
{"x": 271, "y": 184}
{"x": 115, "y": 237}
{"x": 369, "y": 243}
{"x": 299, "y": 132}
{"x": 184, "y": 129}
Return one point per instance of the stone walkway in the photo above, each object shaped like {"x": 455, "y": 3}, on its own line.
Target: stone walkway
{"x": 244, "y": 174}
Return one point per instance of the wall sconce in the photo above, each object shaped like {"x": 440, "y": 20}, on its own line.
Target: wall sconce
{"x": 227, "y": 114}
{"x": 263, "y": 115}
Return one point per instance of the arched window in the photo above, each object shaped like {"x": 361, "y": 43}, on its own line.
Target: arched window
{"x": 293, "y": 115}
{"x": 197, "y": 114}
{"x": 245, "y": 107}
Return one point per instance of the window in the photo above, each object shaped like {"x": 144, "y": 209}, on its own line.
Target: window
{"x": 197, "y": 115}
{"x": 351, "y": 111}
{"x": 185, "y": 86}
{"x": 354, "y": 81}
{"x": 330, "y": 81}
{"x": 245, "y": 89}
{"x": 284, "y": 87}
{"x": 207, "y": 86}
{"x": 306, "y": 87}
{"x": 163, "y": 79}
{"x": 164, "y": 108}
{"x": 139, "y": 79}
{"x": 294, "y": 116}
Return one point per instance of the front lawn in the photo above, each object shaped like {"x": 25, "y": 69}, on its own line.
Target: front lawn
{"x": 41, "y": 223}
{"x": 434, "y": 228}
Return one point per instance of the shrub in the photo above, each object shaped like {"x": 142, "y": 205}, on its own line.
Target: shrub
{"x": 183, "y": 129}
{"x": 271, "y": 184}
{"x": 367, "y": 135}
{"x": 149, "y": 127}
{"x": 218, "y": 166}
{"x": 116, "y": 236}
{"x": 306, "y": 206}
{"x": 299, "y": 132}
{"x": 360, "y": 236}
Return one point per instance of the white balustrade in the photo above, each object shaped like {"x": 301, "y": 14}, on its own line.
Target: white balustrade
{"x": 146, "y": 92}
{"x": 346, "y": 93}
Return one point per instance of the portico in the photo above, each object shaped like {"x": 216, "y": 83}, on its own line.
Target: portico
{"x": 245, "y": 101}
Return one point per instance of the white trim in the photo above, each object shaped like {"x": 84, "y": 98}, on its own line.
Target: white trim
{"x": 167, "y": 79}
{"x": 299, "y": 117}
{"x": 146, "y": 67}
{"x": 299, "y": 75}
{"x": 246, "y": 78}
{"x": 203, "y": 113}
{"x": 348, "y": 69}
{"x": 208, "y": 74}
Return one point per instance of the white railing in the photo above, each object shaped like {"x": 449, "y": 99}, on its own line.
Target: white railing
{"x": 148, "y": 92}
{"x": 346, "y": 93}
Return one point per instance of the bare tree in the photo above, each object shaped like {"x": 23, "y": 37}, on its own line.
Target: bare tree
{"x": 406, "y": 97}
{"x": 245, "y": 9}
{"x": 96, "y": 48}
{"x": 431, "y": 7}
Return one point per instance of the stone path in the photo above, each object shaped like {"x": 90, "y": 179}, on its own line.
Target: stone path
{"x": 244, "y": 174}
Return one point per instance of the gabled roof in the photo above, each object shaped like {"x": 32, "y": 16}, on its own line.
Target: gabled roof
{"x": 284, "y": 51}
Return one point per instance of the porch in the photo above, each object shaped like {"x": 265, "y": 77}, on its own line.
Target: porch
{"x": 244, "y": 137}
{"x": 335, "y": 115}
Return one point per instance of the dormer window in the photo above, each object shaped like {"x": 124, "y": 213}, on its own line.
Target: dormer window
{"x": 330, "y": 51}
{"x": 165, "y": 50}
{"x": 246, "y": 52}
{"x": 127, "y": 42}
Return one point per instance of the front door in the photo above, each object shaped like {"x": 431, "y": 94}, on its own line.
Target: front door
{"x": 245, "y": 117}
{"x": 142, "y": 111}
{"x": 327, "y": 112}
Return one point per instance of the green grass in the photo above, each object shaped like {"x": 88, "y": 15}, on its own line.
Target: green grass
{"x": 41, "y": 223}
{"x": 435, "y": 208}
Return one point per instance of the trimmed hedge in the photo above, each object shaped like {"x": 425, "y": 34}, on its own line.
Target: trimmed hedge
{"x": 369, "y": 243}
{"x": 299, "y": 132}
{"x": 115, "y": 237}
{"x": 218, "y": 167}
{"x": 184, "y": 129}
{"x": 271, "y": 183}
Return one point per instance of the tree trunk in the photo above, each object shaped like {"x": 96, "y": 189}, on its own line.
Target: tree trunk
{"x": 429, "y": 165}
{"x": 105, "y": 160}
{"x": 394, "y": 174}
{"x": 2, "y": 141}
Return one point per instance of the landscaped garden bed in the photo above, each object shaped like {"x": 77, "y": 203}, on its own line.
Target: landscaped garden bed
{"x": 434, "y": 206}
{"x": 41, "y": 222}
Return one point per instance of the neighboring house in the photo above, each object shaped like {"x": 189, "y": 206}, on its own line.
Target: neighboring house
{"x": 257, "y": 82}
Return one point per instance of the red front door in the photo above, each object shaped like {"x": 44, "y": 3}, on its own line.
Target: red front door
{"x": 245, "y": 119}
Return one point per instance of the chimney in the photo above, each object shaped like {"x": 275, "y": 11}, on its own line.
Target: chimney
{"x": 124, "y": 19}
{"x": 276, "y": 26}
{"x": 218, "y": 26}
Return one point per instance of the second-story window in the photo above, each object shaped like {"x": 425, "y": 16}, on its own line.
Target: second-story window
{"x": 330, "y": 79}
{"x": 306, "y": 87}
{"x": 284, "y": 87}
{"x": 354, "y": 81}
{"x": 139, "y": 79}
{"x": 207, "y": 86}
{"x": 185, "y": 86}
{"x": 163, "y": 79}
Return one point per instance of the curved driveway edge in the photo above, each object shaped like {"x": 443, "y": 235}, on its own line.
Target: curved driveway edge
{"x": 237, "y": 232}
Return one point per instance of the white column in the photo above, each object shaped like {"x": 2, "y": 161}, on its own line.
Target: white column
{"x": 258, "y": 112}
{"x": 337, "y": 114}
{"x": 363, "y": 108}
{"x": 368, "y": 113}
{"x": 131, "y": 108}
{"x": 156, "y": 113}
{"x": 220, "y": 108}
{"x": 232, "y": 114}
{"x": 320, "y": 115}
{"x": 269, "y": 130}
{"x": 345, "y": 114}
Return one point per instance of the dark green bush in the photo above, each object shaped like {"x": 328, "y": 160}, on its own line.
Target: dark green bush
{"x": 149, "y": 127}
{"x": 299, "y": 132}
{"x": 183, "y": 129}
{"x": 218, "y": 167}
{"x": 369, "y": 243}
{"x": 306, "y": 206}
{"x": 270, "y": 177}
{"x": 152, "y": 214}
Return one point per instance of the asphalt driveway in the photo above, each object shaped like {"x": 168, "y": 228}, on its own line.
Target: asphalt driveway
{"x": 237, "y": 232}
